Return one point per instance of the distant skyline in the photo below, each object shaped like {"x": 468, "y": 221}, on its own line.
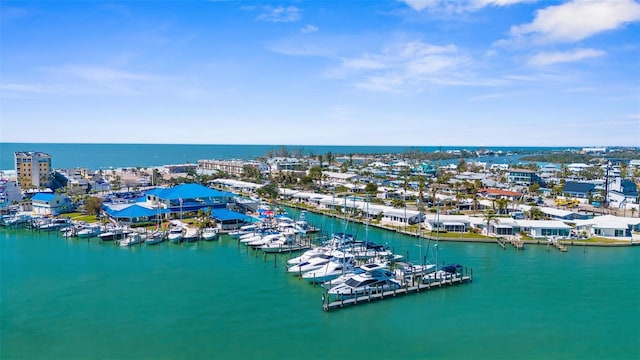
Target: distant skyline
{"x": 404, "y": 73}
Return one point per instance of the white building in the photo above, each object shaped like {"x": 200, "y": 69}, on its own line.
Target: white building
{"x": 50, "y": 203}
{"x": 609, "y": 226}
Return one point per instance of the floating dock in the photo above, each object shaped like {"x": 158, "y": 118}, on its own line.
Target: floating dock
{"x": 328, "y": 305}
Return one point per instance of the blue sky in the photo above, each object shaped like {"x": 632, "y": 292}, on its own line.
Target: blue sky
{"x": 414, "y": 72}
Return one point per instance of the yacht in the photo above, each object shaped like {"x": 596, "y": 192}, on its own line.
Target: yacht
{"x": 365, "y": 283}
{"x": 358, "y": 270}
{"x": 309, "y": 265}
{"x": 155, "y": 237}
{"x": 446, "y": 273}
{"x": 191, "y": 234}
{"x": 132, "y": 239}
{"x": 115, "y": 233}
{"x": 409, "y": 270}
{"x": 89, "y": 231}
{"x": 282, "y": 244}
{"x": 246, "y": 229}
{"x": 210, "y": 233}
{"x": 176, "y": 234}
{"x": 338, "y": 265}
{"x": 308, "y": 255}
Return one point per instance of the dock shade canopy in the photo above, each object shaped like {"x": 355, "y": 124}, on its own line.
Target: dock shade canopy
{"x": 228, "y": 215}
{"x": 135, "y": 211}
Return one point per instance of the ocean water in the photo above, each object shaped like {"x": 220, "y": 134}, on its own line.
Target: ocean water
{"x": 104, "y": 156}
{"x": 70, "y": 298}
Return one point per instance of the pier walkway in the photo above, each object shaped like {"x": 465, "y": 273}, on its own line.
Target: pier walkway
{"x": 328, "y": 305}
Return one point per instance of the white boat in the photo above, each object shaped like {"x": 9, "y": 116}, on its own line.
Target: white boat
{"x": 337, "y": 266}
{"x": 446, "y": 273}
{"x": 309, "y": 265}
{"x": 210, "y": 233}
{"x": 176, "y": 234}
{"x": 191, "y": 234}
{"x": 246, "y": 229}
{"x": 358, "y": 270}
{"x": 308, "y": 255}
{"x": 131, "y": 239}
{"x": 116, "y": 233}
{"x": 53, "y": 224}
{"x": 155, "y": 237}
{"x": 264, "y": 240}
{"x": 89, "y": 231}
{"x": 282, "y": 244}
{"x": 366, "y": 283}
{"x": 409, "y": 270}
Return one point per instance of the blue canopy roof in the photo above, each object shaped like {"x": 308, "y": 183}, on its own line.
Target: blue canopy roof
{"x": 228, "y": 215}
{"x": 191, "y": 191}
{"x": 134, "y": 211}
{"x": 43, "y": 196}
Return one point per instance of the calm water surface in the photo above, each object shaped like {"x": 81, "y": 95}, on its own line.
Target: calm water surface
{"x": 71, "y": 298}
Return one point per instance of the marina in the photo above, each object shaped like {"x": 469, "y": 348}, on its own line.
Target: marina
{"x": 212, "y": 291}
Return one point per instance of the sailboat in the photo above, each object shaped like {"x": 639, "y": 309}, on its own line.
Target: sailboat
{"x": 411, "y": 269}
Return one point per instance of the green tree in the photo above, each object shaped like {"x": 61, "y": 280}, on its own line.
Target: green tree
{"x": 93, "y": 205}
{"x": 371, "y": 189}
{"x": 269, "y": 191}
{"x": 315, "y": 173}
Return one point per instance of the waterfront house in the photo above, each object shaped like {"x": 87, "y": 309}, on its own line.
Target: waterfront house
{"x": 449, "y": 223}
{"x": 50, "y": 203}
{"x": 394, "y": 216}
{"x": 609, "y": 226}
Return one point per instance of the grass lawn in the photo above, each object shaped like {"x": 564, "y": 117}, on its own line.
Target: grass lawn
{"x": 80, "y": 217}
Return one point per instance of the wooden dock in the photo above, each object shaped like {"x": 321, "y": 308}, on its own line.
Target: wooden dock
{"x": 517, "y": 243}
{"x": 407, "y": 289}
{"x": 501, "y": 242}
{"x": 559, "y": 246}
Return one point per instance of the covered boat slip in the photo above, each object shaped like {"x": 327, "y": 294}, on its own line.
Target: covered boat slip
{"x": 409, "y": 287}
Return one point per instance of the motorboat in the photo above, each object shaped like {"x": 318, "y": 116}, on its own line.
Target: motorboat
{"x": 53, "y": 224}
{"x": 133, "y": 238}
{"x": 210, "y": 233}
{"x": 246, "y": 229}
{"x": 409, "y": 270}
{"x": 338, "y": 265}
{"x": 115, "y": 233}
{"x": 373, "y": 266}
{"x": 308, "y": 255}
{"x": 191, "y": 234}
{"x": 282, "y": 244}
{"x": 89, "y": 231}
{"x": 176, "y": 234}
{"x": 311, "y": 264}
{"x": 368, "y": 250}
{"x": 155, "y": 237}
{"x": 366, "y": 283}
{"x": 446, "y": 273}
{"x": 264, "y": 240}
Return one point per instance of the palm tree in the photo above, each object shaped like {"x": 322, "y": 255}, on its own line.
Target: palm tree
{"x": 490, "y": 216}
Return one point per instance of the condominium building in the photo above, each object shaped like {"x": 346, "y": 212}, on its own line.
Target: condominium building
{"x": 33, "y": 169}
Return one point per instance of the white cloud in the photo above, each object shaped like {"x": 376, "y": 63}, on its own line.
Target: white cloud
{"x": 456, "y": 6}
{"x": 280, "y": 14}
{"x": 578, "y": 19}
{"x": 549, "y": 58}
{"x": 404, "y": 66}
{"x": 309, "y": 29}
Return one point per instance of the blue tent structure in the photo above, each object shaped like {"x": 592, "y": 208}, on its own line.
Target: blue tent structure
{"x": 134, "y": 211}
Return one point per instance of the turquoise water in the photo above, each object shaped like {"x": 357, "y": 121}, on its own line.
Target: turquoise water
{"x": 70, "y": 298}
{"x": 103, "y": 156}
